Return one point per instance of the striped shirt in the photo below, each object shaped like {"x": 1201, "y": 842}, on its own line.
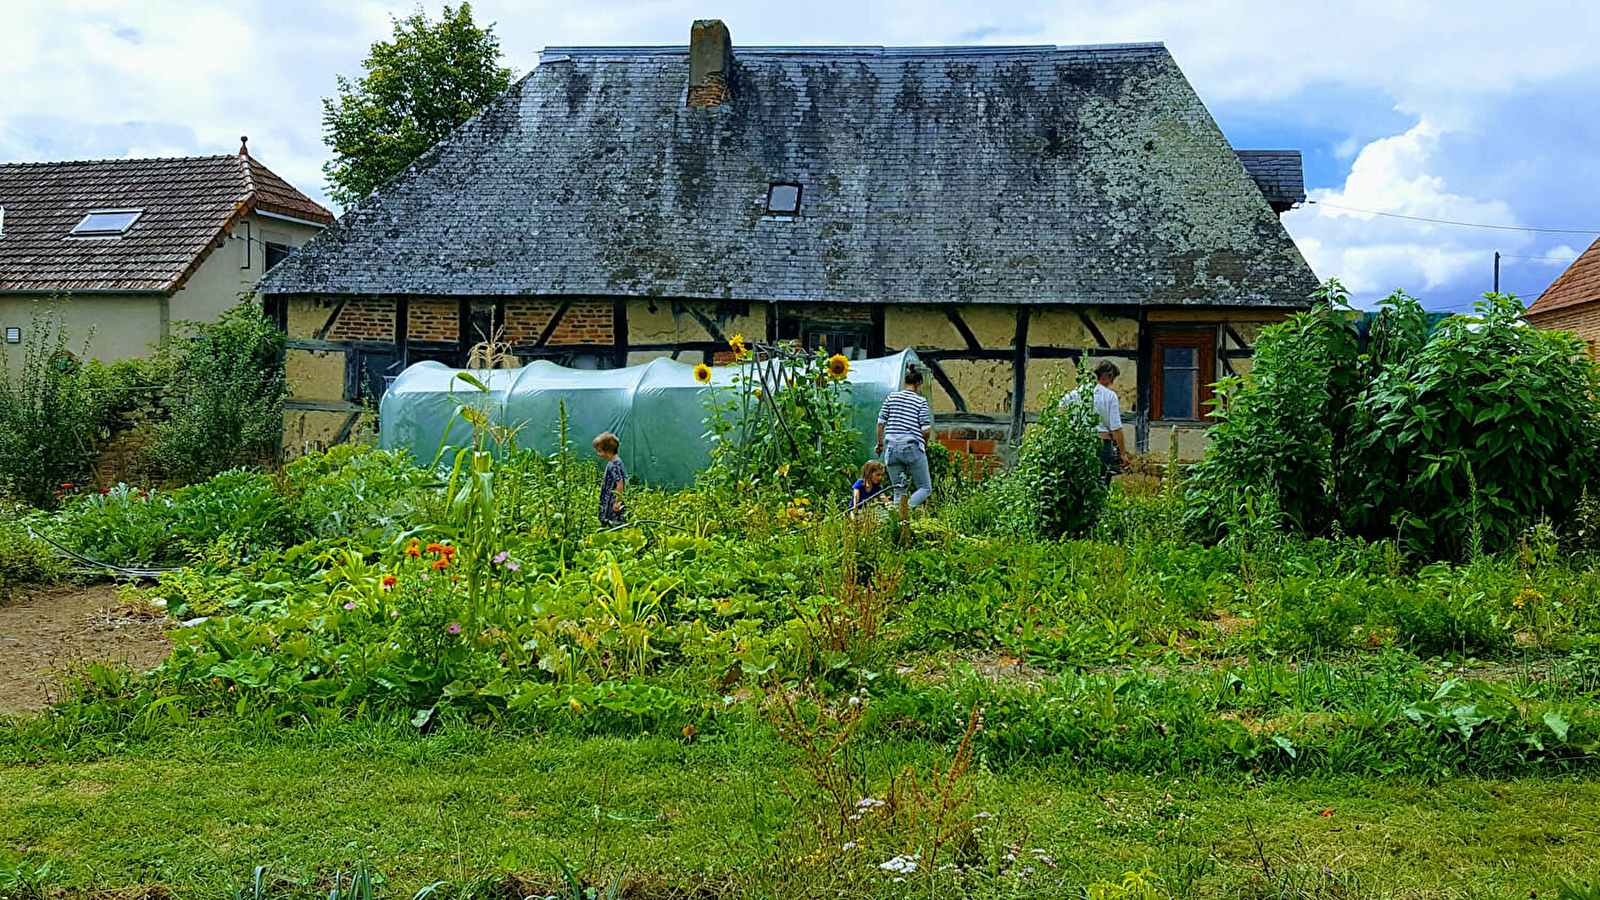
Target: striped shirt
{"x": 905, "y": 415}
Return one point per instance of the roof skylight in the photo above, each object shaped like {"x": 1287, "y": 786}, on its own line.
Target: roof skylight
{"x": 106, "y": 222}
{"x": 783, "y": 199}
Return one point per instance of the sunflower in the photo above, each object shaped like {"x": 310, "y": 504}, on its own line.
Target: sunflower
{"x": 702, "y": 373}
{"x": 838, "y": 366}
{"x": 737, "y": 343}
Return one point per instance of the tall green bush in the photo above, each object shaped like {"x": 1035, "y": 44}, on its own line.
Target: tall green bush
{"x": 53, "y": 410}
{"x": 229, "y": 376}
{"x": 1452, "y": 439}
{"x": 1055, "y": 488}
{"x": 1474, "y": 434}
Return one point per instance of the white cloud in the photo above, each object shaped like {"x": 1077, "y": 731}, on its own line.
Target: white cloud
{"x": 1374, "y": 255}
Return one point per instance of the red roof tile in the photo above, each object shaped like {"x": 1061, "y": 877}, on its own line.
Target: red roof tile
{"x": 1579, "y": 284}
{"x": 188, "y": 204}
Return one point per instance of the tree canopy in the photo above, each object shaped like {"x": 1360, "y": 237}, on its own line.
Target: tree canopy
{"x": 418, "y": 87}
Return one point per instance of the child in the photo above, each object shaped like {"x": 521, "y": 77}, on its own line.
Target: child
{"x": 612, "y": 512}
{"x": 869, "y": 486}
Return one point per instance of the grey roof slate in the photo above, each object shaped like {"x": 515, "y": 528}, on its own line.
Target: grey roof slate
{"x": 1086, "y": 175}
{"x": 1278, "y": 173}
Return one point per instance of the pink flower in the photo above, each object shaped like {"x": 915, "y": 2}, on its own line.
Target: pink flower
{"x": 350, "y": 605}
{"x": 455, "y": 628}
{"x": 393, "y": 613}
{"x": 501, "y": 557}
{"x": 513, "y": 566}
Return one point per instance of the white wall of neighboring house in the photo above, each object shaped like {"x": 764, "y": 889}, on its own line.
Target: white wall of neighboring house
{"x": 127, "y": 326}
{"x": 234, "y": 268}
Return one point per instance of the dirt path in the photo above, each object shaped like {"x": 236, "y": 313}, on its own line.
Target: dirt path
{"x": 44, "y": 630}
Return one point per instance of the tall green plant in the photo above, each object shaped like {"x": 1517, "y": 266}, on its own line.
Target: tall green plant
{"x": 1277, "y": 426}
{"x": 1473, "y": 434}
{"x": 53, "y": 410}
{"x": 229, "y": 378}
{"x": 1055, "y": 488}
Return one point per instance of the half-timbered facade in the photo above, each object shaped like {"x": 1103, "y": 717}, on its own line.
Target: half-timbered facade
{"x": 1006, "y": 211}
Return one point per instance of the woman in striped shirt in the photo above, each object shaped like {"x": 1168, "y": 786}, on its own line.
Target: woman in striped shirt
{"x": 905, "y": 423}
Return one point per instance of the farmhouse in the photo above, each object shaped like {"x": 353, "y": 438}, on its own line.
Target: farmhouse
{"x": 1004, "y": 211}
{"x": 134, "y": 245}
{"x": 1572, "y": 301}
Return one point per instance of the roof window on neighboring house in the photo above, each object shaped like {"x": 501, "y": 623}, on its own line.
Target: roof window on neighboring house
{"x": 783, "y": 199}
{"x": 106, "y": 222}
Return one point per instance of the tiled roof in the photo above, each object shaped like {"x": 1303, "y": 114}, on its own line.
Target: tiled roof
{"x": 1005, "y": 175}
{"x": 187, "y": 204}
{"x": 1579, "y": 284}
{"x": 1279, "y": 174}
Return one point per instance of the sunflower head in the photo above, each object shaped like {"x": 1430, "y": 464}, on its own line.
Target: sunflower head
{"x": 702, "y": 373}
{"x": 838, "y": 366}
{"x": 737, "y": 344}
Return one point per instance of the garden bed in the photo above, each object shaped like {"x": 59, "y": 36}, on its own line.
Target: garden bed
{"x": 46, "y": 631}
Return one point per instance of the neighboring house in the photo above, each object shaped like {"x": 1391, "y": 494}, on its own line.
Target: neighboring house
{"x": 134, "y": 245}
{"x": 1005, "y": 211}
{"x": 1572, "y": 301}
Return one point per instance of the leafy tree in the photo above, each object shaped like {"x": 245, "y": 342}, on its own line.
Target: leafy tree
{"x": 419, "y": 87}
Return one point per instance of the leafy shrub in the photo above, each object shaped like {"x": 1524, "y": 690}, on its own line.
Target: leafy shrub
{"x": 1473, "y": 435}
{"x": 230, "y": 378}
{"x": 351, "y": 488}
{"x": 123, "y": 526}
{"x": 1454, "y": 438}
{"x": 1275, "y": 429}
{"x": 54, "y": 410}
{"x": 1055, "y": 488}
{"x": 24, "y": 559}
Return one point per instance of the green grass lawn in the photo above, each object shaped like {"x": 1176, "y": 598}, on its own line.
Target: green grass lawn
{"x": 197, "y": 810}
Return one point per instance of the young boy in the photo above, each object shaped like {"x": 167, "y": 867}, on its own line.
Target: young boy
{"x": 869, "y": 486}
{"x": 612, "y": 512}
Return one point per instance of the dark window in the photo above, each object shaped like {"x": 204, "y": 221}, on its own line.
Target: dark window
{"x": 277, "y": 253}
{"x": 783, "y": 199}
{"x": 372, "y": 371}
{"x": 1183, "y": 368}
{"x": 854, "y": 341}
{"x": 788, "y": 329}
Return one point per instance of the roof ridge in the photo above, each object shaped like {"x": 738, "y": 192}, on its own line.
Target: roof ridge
{"x": 124, "y": 159}
{"x": 853, "y": 49}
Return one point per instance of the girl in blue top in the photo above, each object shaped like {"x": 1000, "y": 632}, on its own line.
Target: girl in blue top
{"x": 869, "y": 486}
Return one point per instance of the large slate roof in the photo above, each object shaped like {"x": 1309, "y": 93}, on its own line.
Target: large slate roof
{"x": 1088, "y": 175}
{"x": 187, "y": 204}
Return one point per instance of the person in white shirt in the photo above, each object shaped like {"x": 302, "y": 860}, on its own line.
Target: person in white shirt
{"x": 1108, "y": 415}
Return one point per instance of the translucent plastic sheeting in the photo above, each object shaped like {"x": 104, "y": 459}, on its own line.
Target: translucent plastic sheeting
{"x": 657, "y": 410}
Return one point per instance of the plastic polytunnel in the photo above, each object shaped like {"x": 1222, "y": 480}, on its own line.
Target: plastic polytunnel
{"x": 657, "y": 409}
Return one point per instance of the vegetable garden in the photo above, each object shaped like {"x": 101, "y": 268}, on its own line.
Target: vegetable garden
{"x": 1272, "y": 676}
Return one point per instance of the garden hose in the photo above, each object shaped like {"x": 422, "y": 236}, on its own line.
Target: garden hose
{"x": 128, "y": 571}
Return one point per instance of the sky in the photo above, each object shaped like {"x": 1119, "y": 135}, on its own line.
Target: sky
{"x": 1467, "y": 110}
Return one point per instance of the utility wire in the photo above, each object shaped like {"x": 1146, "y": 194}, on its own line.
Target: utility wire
{"x": 1374, "y": 212}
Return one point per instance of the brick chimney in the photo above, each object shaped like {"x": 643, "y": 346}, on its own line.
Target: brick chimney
{"x": 710, "y": 58}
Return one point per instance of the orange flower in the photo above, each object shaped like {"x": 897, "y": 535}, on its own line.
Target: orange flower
{"x": 389, "y": 581}
{"x": 449, "y": 552}
{"x": 442, "y": 562}
{"x": 413, "y": 549}
{"x": 435, "y": 547}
